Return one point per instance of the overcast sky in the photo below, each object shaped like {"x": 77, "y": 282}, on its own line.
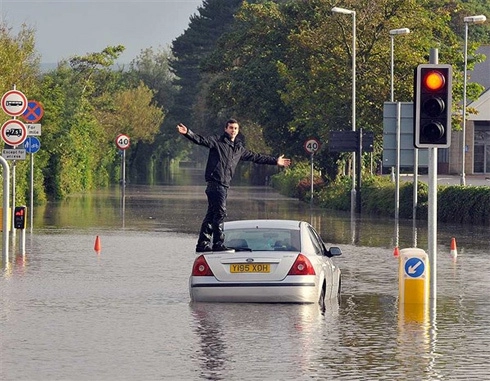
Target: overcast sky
{"x": 64, "y": 28}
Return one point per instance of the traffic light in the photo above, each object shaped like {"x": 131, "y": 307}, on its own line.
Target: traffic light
{"x": 20, "y": 216}
{"x": 432, "y": 106}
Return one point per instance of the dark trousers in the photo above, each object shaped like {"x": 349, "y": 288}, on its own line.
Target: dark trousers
{"x": 212, "y": 224}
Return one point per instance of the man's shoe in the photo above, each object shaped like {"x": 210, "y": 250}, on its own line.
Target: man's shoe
{"x": 221, "y": 247}
{"x": 203, "y": 249}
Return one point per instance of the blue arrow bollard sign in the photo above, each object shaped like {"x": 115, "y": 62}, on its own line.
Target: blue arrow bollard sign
{"x": 32, "y": 144}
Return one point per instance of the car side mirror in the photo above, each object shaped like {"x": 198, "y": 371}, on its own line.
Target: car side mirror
{"x": 334, "y": 251}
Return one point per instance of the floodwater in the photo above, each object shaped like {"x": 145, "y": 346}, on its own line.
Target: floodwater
{"x": 70, "y": 313}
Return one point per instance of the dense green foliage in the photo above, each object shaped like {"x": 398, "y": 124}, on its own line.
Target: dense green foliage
{"x": 287, "y": 66}
{"x": 86, "y": 105}
{"x": 456, "y": 204}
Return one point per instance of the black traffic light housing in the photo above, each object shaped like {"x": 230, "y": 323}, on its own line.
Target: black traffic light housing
{"x": 20, "y": 217}
{"x": 432, "y": 106}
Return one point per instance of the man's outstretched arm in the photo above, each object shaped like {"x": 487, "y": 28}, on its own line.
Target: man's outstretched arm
{"x": 283, "y": 162}
{"x": 182, "y": 129}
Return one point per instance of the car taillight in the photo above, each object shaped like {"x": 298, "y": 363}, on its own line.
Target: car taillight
{"x": 201, "y": 267}
{"x": 302, "y": 266}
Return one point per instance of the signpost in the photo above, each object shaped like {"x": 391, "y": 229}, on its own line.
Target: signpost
{"x": 352, "y": 141}
{"x": 33, "y": 129}
{"x": 34, "y": 112}
{"x": 32, "y": 144}
{"x": 14, "y": 132}
{"x": 311, "y": 146}
{"x": 122, "y": 142}
{"x": 14, "y": 103}
{"x": 14, "y": 154}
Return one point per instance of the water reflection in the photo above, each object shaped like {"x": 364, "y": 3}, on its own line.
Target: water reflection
{"x": 67, "y": 313}
{"x": 248, "y": 338}
{"x": 181, "y": 208}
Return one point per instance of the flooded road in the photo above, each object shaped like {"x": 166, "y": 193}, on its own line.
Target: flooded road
{"x": 69, "y": 313}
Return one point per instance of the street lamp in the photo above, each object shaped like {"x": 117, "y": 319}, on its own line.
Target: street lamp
{"x": 467, "y": 20}
{"x": 393, "y": 33}
{"x": 353, "y": 13}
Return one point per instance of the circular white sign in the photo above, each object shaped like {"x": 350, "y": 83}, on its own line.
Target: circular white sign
{"x": 122, "y": 141}
{"x": 311, "y": 145}
{"x": 14, "y": 103}
{"x": 14, "y": 132}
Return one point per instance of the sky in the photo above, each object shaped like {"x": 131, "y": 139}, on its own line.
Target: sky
{"x": 66, "y": 28}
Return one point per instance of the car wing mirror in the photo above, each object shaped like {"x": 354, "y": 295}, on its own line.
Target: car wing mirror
{"x": 334, "y": 251}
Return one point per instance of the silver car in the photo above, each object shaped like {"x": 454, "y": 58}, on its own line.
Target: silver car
{"x": 273, "y": 261}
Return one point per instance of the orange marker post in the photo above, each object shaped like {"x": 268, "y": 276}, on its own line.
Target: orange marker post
{"x": 454, "y": 249}
{"x": 97, "y": 246}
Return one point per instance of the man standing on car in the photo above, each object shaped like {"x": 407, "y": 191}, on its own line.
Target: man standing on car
{"x": 224, "y": 154}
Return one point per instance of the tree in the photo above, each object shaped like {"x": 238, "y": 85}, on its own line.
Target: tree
{"x": 19, "y": 67}
{"x": 287, "y": 65}
{"x": 189, "y": 50}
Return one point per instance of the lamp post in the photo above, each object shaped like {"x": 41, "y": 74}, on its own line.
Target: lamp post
{"x": 393, "y": 33}
{"x": 353, "y": 13}
{"x": 467, "y": 20}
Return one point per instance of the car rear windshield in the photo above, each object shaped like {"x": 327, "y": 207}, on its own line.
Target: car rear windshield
{"x": 263, "y": 239}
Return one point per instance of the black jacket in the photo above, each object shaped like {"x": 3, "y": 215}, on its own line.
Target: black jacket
{"x": 224, "y": 156}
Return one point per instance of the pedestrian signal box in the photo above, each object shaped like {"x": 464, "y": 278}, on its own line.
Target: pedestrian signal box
{"x": 20, "y": 217}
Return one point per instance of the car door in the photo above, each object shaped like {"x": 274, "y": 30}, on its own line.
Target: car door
{"x": 327, "y": 265}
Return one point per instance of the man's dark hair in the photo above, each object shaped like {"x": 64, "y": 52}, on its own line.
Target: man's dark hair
{"x": 230, "y": 121}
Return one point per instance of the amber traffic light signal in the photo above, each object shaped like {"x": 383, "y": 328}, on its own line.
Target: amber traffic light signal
{"x": 432, "y": 106}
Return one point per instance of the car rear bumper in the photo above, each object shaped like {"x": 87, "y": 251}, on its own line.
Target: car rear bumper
{"x": 254, "y": 292}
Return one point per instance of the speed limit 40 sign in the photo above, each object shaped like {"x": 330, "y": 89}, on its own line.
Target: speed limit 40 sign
{"x": 122, "y": 142}
{"x": 311, "y": 145}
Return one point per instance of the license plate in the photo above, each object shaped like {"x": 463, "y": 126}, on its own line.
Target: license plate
{"x": 250, "y": 268}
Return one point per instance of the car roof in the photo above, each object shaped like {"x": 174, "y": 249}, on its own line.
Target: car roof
{"x": 263, "y": 224}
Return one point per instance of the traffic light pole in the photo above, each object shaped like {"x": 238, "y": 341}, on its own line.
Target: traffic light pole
{"x": 432, "y": 207}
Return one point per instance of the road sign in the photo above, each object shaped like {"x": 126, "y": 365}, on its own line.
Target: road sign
{"x": 311, "y": 145}
{"x": 348, "y": 141}
{"x": 414, "y": 267}
{"x": 14, "y": 154}
{"x": 14, "y": 132}
{"x": 14, "y": 103}
{"x": 122, "y": 141}
{"x": 34, "y": 112}
{"x": 390, "y": 136}
{"x": 32, "y": 144}
{"x": 33, "y": 129}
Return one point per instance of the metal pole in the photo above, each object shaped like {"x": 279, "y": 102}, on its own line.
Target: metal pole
{"x": 6, "y": 191}
{"x": 31, "y": 201}
{"x": 432, "y": 209}
{"x": 123, "y": 169}
{"x": 311, "y": 173}
{"x": 463, "y": 139}
{"x": 359, "y": 177}
{"x": 353, "y": 13}
{"x": 12, "y": 230}
{"x": 392, "y": 98}
{"x": 353, "y": 197}
{"x": 398, "y": 154}
{"x": 415, "y": 183}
